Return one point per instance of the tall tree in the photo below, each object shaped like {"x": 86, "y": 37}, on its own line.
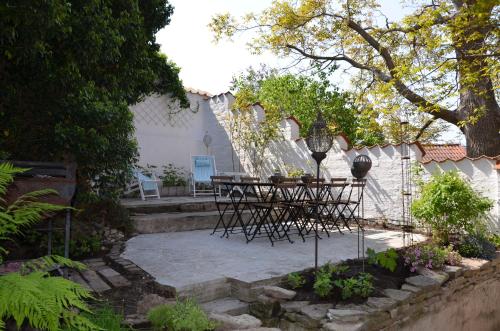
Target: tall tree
{"x": 69, "y": 69}
{"x": 442, "y": 59}
{"x": 301, "y": 96}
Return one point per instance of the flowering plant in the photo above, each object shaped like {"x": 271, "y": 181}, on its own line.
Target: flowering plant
{"x": 428, "y": 256}
{"x": 453, "y": 257}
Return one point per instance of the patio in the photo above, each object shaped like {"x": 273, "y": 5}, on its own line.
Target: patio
{"x": 185, "y": 259}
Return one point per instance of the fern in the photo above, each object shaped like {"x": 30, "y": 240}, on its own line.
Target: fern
{"x": 44, "y": 302}
{"x": 106, "y": 318}
{"x": 184, "y": 315}
{"x": 36, "y": 298}
{"x": 7, "y": 173}
{"x": 47, "y": 263}
{"x": 25, "y": 211}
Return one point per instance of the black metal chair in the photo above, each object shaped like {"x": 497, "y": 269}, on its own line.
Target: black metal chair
{"x": 312, "y": 208}
{"x": 224, "y": 206}
{"x": 349, "y": 208}
{"x": 334, "y": 192}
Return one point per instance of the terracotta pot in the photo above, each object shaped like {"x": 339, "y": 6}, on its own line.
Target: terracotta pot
{"x": 276, "y": 179}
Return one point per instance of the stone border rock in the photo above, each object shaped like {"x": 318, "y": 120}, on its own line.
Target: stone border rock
{"x": 114, "y": 259}
{"x": 425, "y": 293}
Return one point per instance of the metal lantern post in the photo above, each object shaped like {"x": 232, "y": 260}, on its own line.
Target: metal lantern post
{"x": 360, "y": 167}
{"x": 319, "y": 141}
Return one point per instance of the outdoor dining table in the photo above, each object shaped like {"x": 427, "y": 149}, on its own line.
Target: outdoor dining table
{"x": 275, "y": 209}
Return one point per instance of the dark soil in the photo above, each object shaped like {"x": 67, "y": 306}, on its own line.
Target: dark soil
{"x": 382, "y": 279}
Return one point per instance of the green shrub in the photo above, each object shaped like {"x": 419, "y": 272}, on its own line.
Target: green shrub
{"x": 449, "y": 205}
{"x": 105, "y": 318}
{"x": 94, "y": 209}
{"x": 173, "y": 176}
{"x": 296, "y": 280}
{"x": 293, "y": 171}
{"x": 338, "y": 269}
{"x": 323, "y": 284}
{"x": 494, "y": 238}
{"x": 476, "y": 245}
{"x": 387, "y": 259}
{"x": 183, "y": 316}
{"x": 360, "y": 285}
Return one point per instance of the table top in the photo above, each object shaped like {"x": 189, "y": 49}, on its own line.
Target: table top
{"x": 312, "y": 185}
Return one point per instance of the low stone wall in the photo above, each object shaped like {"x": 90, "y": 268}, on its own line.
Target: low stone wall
{"x": 457, "y": 298}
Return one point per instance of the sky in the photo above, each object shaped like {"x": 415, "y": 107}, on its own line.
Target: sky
{"x": 188, "y": 42}
{"x": 210, "y": 67}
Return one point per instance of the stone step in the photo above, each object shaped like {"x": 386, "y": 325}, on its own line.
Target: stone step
{"x": 205, "y": 291}
{"x": 77, "y": 278}
{"x": 94, "y": 281}
{"x": 174, "y": 222}
{"x": 113, "y": 277}
{"x": 230, "y": 306}
{"x": 187, "y": 204}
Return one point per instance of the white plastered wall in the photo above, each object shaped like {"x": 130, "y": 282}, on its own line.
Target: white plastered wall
{"x": 164, "y": 139}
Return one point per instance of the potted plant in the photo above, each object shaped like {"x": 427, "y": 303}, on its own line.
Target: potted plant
{"x": 277, "y": 177}
{"x": 173, "y": 181}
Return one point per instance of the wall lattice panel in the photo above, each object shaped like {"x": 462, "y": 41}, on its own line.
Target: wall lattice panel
{"x": 162, "y": 111}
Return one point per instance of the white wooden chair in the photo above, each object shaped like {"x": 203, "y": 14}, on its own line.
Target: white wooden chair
{"x": 146, "y": 185}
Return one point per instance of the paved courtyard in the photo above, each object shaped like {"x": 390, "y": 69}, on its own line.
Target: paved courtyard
{"x": 181, "y": 259}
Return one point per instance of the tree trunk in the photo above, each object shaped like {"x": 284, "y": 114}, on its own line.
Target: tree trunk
{"x": 477, "y": 96}
{"x": 483, "y": 136}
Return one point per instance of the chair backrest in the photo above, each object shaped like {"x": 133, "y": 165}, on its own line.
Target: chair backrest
{"x": 248, "y": 179}
{"x": 314, "y": 182}
{"x": 357, "y": 187}
{"x": 336, "y": 188}
{"x": 340, "y": 181}
{"x": 148, "y": 183}
{"x": 202, "y": 168}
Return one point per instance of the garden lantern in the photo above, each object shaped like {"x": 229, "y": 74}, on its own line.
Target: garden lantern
{"x": 360, "y": 166}
{"x": 207, "y": 140}
{"x": 319, "y": 141}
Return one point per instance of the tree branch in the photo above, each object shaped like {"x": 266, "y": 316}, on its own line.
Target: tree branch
{"x": 380, "y": 74}
{"x": 423, "y": 128}
{"x": 405, "y": 91}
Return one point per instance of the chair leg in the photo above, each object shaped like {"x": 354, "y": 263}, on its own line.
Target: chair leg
{"x": 142, "y": 192}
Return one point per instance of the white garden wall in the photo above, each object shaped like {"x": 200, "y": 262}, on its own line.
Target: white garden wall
{"x": 172, "y": 138}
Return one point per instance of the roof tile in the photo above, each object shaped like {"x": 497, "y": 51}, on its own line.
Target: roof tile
{"x": 454, "y": 152}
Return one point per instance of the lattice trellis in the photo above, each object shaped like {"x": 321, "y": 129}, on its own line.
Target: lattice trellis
{"x": 163, "y": 111}
{"x": 406, "y": 182}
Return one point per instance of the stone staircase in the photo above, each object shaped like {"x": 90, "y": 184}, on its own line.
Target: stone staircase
{"x": 173, "y": 214}
{"x": 99, "y": 277}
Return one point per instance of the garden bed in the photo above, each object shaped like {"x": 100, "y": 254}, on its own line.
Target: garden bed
{"x": 382, "y": 279}
{"x": 458, "y": 297}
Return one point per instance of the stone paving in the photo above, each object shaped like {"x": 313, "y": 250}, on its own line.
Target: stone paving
{"x": 182, "y": 259}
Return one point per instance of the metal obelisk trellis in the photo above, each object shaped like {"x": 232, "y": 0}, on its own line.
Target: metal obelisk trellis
{"x": 406, "y": 186}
